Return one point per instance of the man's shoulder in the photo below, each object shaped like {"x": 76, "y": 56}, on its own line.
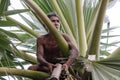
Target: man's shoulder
{"x": 42, "y": 37}
{"x": 65, "y": 35}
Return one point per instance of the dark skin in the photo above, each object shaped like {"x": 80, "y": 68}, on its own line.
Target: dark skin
{"x": 48, "y": 51}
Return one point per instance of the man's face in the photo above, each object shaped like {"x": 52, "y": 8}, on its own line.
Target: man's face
{"x": 55, "y": 21}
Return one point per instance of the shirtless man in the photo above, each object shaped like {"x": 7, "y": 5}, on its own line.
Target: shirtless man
{"x": 48, "y": 50}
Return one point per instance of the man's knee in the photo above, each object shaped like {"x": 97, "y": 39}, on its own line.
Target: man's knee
{"x": 39, "y": 68}
{"x": 34, "y": 67}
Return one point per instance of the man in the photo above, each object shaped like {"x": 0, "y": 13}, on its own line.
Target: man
{"x": 48, "y": 51}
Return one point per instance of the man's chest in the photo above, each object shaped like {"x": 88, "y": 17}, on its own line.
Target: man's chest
{"x": 51, "y": 46}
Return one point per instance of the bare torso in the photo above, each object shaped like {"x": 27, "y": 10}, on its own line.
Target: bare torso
{"x": 51, "y": 49}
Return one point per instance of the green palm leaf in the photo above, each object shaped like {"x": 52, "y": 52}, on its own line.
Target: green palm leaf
{"x": 4, "y": 6}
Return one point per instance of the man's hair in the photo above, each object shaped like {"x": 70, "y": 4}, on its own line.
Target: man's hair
{"x": 52, "y": 14}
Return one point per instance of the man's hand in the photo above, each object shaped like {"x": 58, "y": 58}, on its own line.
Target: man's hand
{"x": 51, "y": 67}
{"x": 65, "y": 67}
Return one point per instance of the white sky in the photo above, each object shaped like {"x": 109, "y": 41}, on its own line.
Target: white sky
{"x": 114, "y": 14}
{"x": 114, "y": 17}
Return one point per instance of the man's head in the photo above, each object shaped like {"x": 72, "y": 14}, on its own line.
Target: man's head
{"x": 55, "y": 19}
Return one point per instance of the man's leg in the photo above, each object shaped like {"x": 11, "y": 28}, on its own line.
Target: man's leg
{"x": 39, "y": 68}
{"x": 33, "y": 67}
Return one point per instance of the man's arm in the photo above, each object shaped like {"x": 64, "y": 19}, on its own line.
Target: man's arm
{"x": 40, "y": 55}
{"x": 40, "y": 52}
{"x": 73, "y": 51}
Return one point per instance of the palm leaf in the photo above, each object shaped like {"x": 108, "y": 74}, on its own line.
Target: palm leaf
{"x": 6, "y": 23}
{"x": 25, "y": 73}
{"x": 4, "y": 6}
{"x": 12, "y": 12}
{"x": 104, "y": 72}
{"x": 10, "y": 34}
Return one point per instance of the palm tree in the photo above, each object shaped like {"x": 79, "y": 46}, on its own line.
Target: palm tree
{"x": 82, "y": 21}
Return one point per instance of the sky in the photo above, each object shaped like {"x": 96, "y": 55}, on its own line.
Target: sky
{"x": 114, "y": 17}
{"x": 114, "y": 14}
